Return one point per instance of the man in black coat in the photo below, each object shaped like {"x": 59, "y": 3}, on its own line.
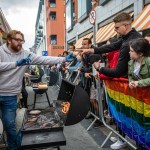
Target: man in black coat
{"x": 123, "y": 28}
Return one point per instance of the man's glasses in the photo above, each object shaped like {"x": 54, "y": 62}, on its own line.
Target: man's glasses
{"x": 19, "y": 40}
{"x": 116, "y": 28}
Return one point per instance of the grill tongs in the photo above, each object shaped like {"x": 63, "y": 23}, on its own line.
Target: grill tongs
{"x": 56, "y": 114}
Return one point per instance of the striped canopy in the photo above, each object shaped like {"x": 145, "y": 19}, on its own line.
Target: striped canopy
{"x": 142, "y": 21}
{"x": 105, "y": 32}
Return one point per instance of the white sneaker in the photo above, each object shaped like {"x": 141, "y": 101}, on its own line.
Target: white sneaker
{"x": 113, "y": 139}
{"x": 118, "y": 145}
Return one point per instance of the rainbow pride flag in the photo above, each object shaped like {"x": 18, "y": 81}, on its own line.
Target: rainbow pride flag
{"x": 130, "y": 109}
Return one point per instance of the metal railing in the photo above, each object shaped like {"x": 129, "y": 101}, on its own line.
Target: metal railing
{"x": 130, "y": 109}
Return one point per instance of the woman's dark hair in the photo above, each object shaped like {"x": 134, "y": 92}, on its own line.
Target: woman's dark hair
{"x": 140, "y": 45}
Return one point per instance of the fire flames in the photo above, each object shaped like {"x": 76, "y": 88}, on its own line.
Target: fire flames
{"x": 66, "y": 106}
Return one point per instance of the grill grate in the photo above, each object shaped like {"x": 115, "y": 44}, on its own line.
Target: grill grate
{"x": 48, "y": 118}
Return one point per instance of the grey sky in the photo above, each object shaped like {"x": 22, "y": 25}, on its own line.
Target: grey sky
{"x": 21, "y": 15}
{"x": 18, "y": 3}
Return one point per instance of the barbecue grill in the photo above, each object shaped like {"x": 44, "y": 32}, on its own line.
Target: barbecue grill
{"x": 40, "y": 91}
{"x": 35, "y": 79}
{"x": 47, "y": 131}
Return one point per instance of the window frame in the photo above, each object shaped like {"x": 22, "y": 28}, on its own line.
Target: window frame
{"x": 69, "y": 2}
{"x": 50, "y": 16}
{"x": 86, "y": 14}
{"x": 52, "y": 6}
{"x": 53, "y": 39}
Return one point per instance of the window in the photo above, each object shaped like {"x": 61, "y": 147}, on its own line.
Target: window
{"x": 69, "y": 15}
{"x": 52, "y": 3}
{"x": 52, "y": 15}
{"x": 146, "y": 2}
{"x": 84, "y": 8}
{"x": 81, "y": 8}
{"x": 53, "y": 39}
{"x": 74, "y": 15}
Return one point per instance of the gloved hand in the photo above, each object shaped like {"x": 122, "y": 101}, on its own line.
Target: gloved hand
{"x": 24, "y": 61}
{"x": 70, "y": 58}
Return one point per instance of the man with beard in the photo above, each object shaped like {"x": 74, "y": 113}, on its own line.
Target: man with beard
{"x": 13, "y": 65}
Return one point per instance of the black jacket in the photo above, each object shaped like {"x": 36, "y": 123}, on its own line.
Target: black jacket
{"x": 121, "y": 69}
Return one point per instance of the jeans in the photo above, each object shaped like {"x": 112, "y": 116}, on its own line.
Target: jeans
{"x": 8, "y": 107}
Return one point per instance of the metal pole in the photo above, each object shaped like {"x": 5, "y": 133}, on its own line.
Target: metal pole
{"x": 94, "y": 34}
{"x": 45, "y": 32}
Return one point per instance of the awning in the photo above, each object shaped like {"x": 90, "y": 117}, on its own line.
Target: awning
{"x": 105, "y": 32}
{"x": 143, "y": 19}
{"x": 79, "y": 42}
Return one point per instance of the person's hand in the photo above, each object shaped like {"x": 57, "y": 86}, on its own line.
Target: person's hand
{"x": 133, "y": 84}
{"x": 79, "y": 50}
{"x": 66, "y": 63}
{"x": 66, "y": 67}
{"x": 136, "y": 84}
{"x": 24, "y": 61}
{"x": 87, "y": 75}
{"x": 96, "y": 76}
{"x": 75, "y": 53}
{"x": 79, "y": 69}
{"x": 87, "y": 51}
{"x": 97, "y": 64}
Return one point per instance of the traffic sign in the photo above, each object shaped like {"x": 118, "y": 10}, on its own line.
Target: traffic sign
{"x": 44, "y": 53}
{"x": 92, "y": 17}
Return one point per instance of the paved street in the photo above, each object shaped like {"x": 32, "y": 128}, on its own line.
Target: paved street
{"x": 77, "y": 137}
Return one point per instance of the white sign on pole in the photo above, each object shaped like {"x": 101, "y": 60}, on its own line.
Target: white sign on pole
{"x": 92, "y": 17}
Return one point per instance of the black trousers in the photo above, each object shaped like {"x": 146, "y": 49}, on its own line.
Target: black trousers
{"x": 24, "y": 98}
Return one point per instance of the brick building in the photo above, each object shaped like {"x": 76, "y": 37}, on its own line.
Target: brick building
{"x": 50, "y": 27}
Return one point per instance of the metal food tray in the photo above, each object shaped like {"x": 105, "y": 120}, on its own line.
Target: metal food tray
{"x": 43, "y": 138}
{"x": 24, "y": 129}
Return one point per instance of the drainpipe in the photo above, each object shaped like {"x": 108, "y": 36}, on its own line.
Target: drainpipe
{"x": 45, "y": 36}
